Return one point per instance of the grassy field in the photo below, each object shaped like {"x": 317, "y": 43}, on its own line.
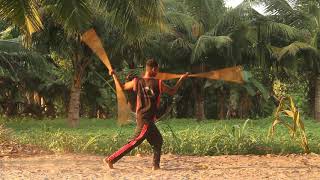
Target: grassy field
{"x": 181, "y": 136}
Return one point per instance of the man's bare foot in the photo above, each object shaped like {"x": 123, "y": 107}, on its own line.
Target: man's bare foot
{"x": 107, "y": 162}
{"x": 155, "y": 168}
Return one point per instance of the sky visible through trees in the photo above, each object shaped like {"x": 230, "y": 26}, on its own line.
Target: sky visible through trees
{"x": 234, "y": 3}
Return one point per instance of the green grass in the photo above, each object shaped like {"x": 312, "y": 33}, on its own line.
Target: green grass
{"x": 181, "y": 136}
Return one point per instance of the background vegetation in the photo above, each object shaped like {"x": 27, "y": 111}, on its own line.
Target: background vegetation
{"x": 212, "y": 137}
{"x": 47, "y": 72}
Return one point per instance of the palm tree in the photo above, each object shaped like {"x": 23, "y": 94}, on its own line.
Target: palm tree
{"x": 205, "y": 34}
{"x": 188, "y": 22}
{"x": 21, "y": 72}
{"x": 73, "y": 18}
{"x": 73, "y": 15}
{"x": 303, "y": 15}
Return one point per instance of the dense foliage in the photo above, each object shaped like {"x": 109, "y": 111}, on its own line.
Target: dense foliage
{"x": 45, "y": 70}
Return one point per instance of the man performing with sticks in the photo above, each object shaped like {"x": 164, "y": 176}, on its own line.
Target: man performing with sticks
{"x": 148, "y": 90}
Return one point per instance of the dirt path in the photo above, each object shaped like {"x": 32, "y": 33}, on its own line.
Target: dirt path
{"x": 70, "y": 166}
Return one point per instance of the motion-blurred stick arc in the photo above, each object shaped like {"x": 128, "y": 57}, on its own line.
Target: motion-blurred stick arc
{"x": 232, "y": 74}
{"x": 90, "y": 37}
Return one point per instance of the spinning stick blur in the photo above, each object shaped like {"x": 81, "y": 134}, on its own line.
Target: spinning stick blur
{"x": 91, "y": 38}
{"x": 233, "y": 74}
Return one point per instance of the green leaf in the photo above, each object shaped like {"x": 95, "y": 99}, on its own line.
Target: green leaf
{"x": 74, "y": 15}
{"x": 23, "y": 13}
{"x": 208, "y": 43}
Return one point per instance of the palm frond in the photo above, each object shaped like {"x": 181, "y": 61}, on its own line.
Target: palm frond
{"x": 274, "y": 51}
{"x": 283, "y": 11}
{"x": 7, "y": 33}
{"x": 207, "y": 12}
{"x": 282, "y": 7}
{"x": 21, "y": 64}
{"x": 11, "y": 45}
{"x": 281, "y": 29}
{"x": 294, "y": 48}
{"x": 181, "y": 43}
{"x": 315, "y": 40}
{"x": 208, "y": 43}
{"x": 182, "y": 24}
{"x": 129, "y": 13}
{"x": 23, "y": 13}
{"x": 174, "y": 6}
{"x": 235, "y": 18}
{"x": 312, "y": 8}
{"x": 74, "y": 15}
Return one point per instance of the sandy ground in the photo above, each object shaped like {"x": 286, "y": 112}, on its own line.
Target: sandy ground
{"x": 71, "y": 166}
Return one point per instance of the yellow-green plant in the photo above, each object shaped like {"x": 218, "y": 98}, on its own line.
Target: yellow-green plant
{"x": 288, "y": 110}
{"x": 279, "y": 88}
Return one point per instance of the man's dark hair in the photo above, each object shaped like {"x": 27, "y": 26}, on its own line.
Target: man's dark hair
{"x": 152, "y": 63}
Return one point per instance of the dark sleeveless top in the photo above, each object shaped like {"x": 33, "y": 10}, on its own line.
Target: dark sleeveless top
{"x": 148, "y": 98}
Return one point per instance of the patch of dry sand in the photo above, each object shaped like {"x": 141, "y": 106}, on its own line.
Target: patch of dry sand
{"x": 72, "y": 166}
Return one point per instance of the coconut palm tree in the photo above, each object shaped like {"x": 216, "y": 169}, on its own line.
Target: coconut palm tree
{"x": 206, "y": 34}
{"x": 21, "y": 72}
{"x": 188, "y": 22}
{"x": 303, "y": 15}
{"x": 73, "y": 18}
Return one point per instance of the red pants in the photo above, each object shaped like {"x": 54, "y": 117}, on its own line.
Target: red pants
{"x": 147, "y": 131}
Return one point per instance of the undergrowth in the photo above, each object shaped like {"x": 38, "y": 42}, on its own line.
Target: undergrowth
{"x": 181, "y": 136}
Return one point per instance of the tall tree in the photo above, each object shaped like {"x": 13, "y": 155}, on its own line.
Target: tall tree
{"x": 303, "y": 15}
{"x": 75, "y": 16}
{"x": 21, "y": 71}
{"x": 205, "y": 34}
{"x": 188, "y": 22}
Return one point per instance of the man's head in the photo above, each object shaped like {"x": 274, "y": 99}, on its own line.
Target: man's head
{"x": 152, "y": 67}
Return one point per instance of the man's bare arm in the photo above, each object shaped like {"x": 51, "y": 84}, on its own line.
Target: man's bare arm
{"x": 173, "y": 90}
{"x": 127, "y": 86}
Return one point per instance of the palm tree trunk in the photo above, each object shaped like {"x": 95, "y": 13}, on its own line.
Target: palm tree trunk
{"x": 93, "y": 111}
{"x": 198, "y": 94}
{"x": 317, "y": 99}
{"x": 79, "y": 64}
{"x": 200, "y": 114}
{"x": 74, "y": 102}
{"x": 12, "y": 107}
{"x": 221, "y": 104}
{"x": 311, "y": 94}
